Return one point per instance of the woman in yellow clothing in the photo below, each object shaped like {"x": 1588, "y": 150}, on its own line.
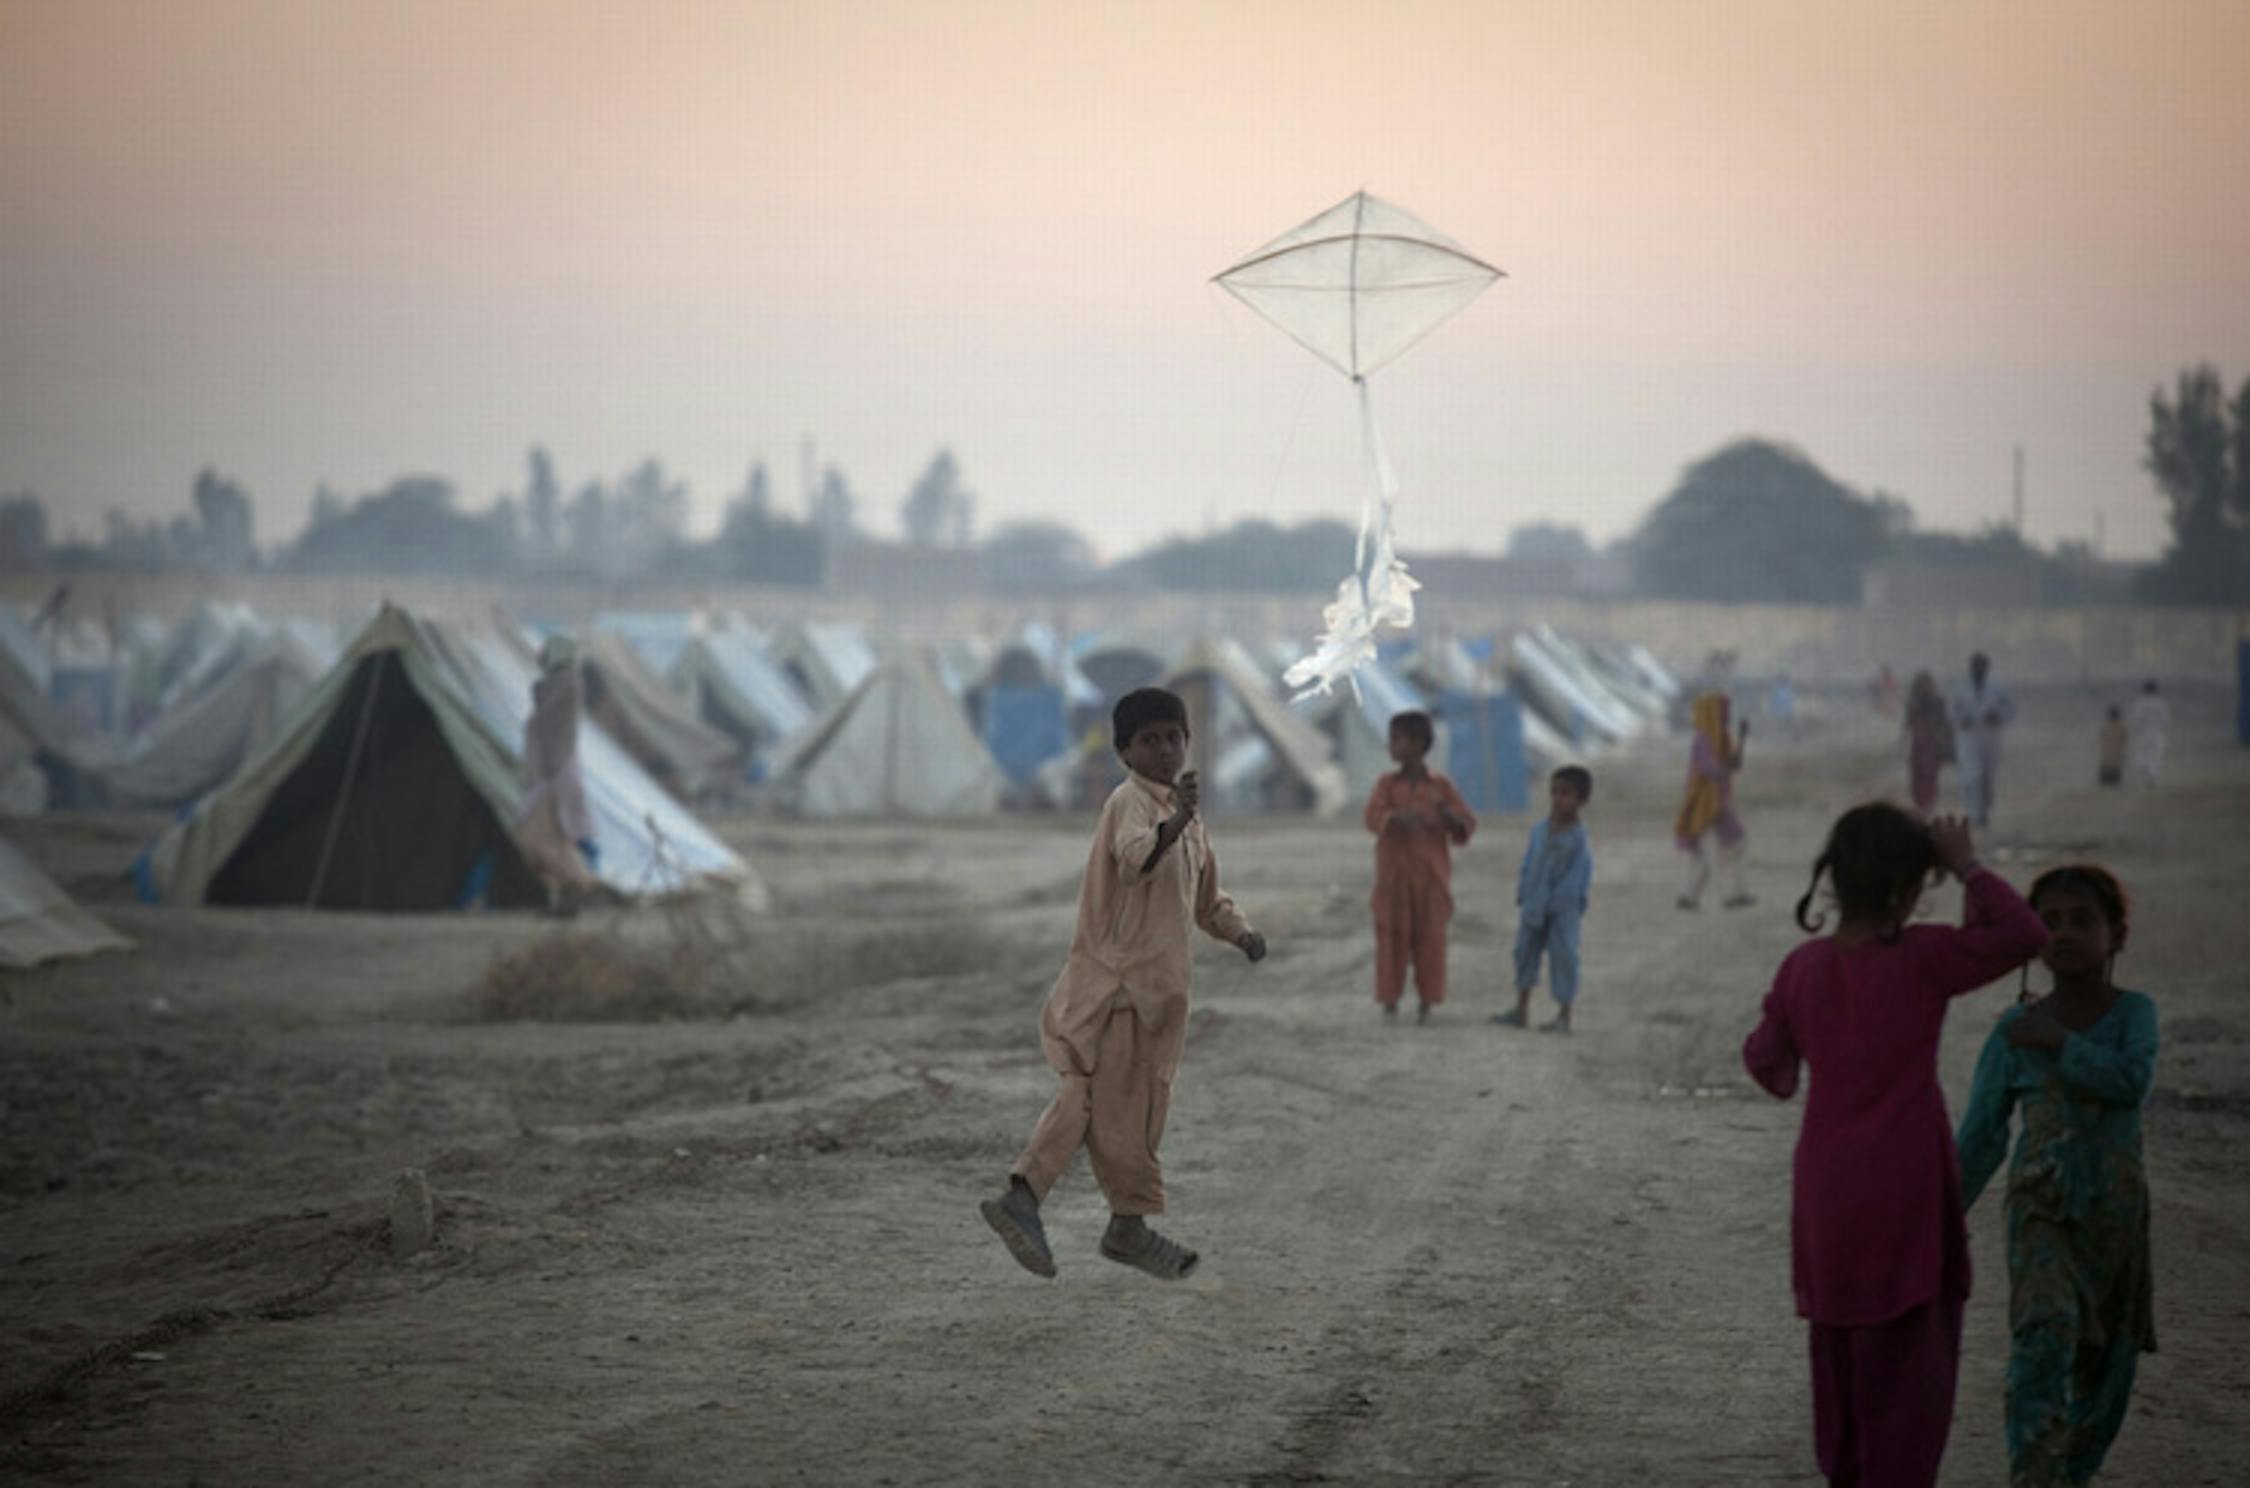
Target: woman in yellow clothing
{"x": 1708, "y": 809}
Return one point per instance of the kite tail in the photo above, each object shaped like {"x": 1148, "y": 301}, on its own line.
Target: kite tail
{"x": 1378, "y": 594}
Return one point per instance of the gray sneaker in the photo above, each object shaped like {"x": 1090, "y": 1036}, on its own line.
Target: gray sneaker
{"x": 1014, "y": 1217}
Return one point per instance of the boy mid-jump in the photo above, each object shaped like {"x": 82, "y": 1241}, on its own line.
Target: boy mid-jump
{"x": 1116, "y": 1020}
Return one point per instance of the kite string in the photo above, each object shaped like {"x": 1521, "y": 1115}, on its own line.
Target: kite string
{"x": 1296, "y": 427}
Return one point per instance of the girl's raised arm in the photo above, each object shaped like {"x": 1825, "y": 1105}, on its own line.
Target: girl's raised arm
{"x": 1999, "y": 932}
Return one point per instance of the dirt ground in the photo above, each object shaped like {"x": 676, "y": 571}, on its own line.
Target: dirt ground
{"x": 744, "y": 1248}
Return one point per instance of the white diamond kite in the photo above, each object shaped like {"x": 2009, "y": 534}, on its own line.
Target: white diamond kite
{"x": 1356, "y": 286}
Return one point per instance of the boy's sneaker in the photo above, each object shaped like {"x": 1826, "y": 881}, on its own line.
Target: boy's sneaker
{"x": 1145, "y": 1250}
{"x": 1014, "y": 1217}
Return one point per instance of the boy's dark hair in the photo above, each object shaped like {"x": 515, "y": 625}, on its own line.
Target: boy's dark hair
{"x": 1877, "y": 860}
{"x": 1142, "y": 707}
{"x": 1578, "y": 778}
{"x": 2096, "y": 883}
{"x": 1416, "y": 725}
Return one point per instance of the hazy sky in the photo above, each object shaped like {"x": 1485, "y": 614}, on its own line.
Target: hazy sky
{"x": 311, "y": 241}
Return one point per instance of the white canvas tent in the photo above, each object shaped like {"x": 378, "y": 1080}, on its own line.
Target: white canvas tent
{"x": 826, "y": 658}
{"x": 39, "y": 922}
{"x": 398, "y": 786}
{"x": 896, "y": 745}
{"x": 201, "y": 740}
{"x": 735, "y": 687}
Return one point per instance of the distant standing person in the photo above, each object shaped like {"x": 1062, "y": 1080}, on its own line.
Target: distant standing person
{"x": 1981, "y": 711}
{"x": 1929, "y": 741}
{"x": 1418, "y": 818}
{"x": 2151, "y": 723}
{"x": 2114, "y": 737}
{"x": 1708, "y": 810}
{"x": 557, "y": 828}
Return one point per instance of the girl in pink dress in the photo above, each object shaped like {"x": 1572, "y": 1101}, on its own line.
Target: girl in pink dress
{"x": 1878, "y": 1248}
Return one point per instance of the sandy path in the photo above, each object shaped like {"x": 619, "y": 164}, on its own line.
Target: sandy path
{"x": 746, "y": 1250}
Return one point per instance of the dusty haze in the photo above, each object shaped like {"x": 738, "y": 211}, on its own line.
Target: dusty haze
{"x": 343, "y": 243}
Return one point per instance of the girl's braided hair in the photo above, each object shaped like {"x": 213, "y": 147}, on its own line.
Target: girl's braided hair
{"x": 1876, "y": 862}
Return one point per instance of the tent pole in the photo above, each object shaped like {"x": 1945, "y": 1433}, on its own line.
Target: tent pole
{"x": 351, "y": 777}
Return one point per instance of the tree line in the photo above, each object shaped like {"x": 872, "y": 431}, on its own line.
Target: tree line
{"x": 1757, "y": 520}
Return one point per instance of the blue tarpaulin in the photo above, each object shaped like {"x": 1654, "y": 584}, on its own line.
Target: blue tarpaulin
{"x": 1025, "y": 727}
{"x": 1485, "y": 750}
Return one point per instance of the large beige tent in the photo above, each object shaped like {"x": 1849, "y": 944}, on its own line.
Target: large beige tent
{"x": 398, "y": 785}
{"x": 200, "y": 741}
{"x": 657, "y": 727}
{"x": 896, "y": 745}
{"x": 39, "y": 922}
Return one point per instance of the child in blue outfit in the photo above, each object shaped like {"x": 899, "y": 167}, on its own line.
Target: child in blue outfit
{"x": 1551, "y": 888}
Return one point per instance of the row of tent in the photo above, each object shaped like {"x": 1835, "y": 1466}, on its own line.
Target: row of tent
{"x": 391, "y": 777}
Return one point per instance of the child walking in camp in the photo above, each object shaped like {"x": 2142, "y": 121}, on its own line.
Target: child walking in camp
{"x": 1879, "y": 1250}
{"x": 2078, "y": 1062}
{"x": 1551, "y": 888}
{"x": 1116, "y": 1019}
{"x": 1707, "y": 809}
{"x": 2111, "y": 768}
{"x": 1418, "y": 818}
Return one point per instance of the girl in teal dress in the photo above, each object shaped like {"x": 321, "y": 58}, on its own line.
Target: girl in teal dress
{"x": 2078, "y": 1062}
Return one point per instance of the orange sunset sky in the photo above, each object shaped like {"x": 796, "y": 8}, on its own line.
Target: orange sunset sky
{"x": 314, "y": 242}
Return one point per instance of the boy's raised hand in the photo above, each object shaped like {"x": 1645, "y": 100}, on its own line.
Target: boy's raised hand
{"x": 1253, "y": 945}
{"x": 1956, "y": 848}
{"x": 1188, "y": 792}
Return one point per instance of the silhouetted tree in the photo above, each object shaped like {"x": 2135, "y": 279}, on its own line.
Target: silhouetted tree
{"x": 408, "y": 527}
{"x": 223, "y": 538}
{"x": 542, "y": 506}
{"x": 2198, "y": 450}
{"x": 23, "y": 531}
{"x": 938, "y": 510}
{"x": 833, "y": 510}
{"x": 1760, "y": 521}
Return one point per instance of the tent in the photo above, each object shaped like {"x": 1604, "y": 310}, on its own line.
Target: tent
{"x": 658, "y": 728}
{"x": 39, "y": 922}
{"x": 1485, "y": 757}
{"x": 201, "y": 740}
{"x": 825, "y": 658}
{"x": 656, "y": 636}
{"x": 1253, "y": 753}
{"x": 35, "y": 731}
{"x": 895, "y": 745}
{"x": 1026, "y": 704}
{"x": 1116, "y": 667}
{"x": 739, "y": 690}
{"x": 397, "y": 785}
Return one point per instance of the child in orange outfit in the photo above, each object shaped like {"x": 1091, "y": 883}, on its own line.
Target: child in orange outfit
{"x": 1418, "y": 818}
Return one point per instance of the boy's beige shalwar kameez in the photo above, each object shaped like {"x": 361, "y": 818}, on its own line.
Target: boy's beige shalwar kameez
{"x": 1116, "y": 1020}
